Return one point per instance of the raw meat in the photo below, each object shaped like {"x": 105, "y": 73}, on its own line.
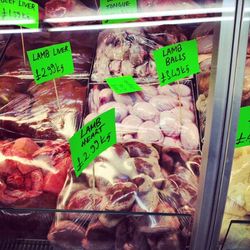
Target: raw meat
{"x": 170, "y": 124}
{"x": 150, "y": 132}
{"x": 129, "y": 51}
{"x": 82, "y": 52}
{"x": 32, "y": 175}
{"x": 37, "y": 114}
{"x": 189, "y": 136}
{"x": 150, "y": 115}
{"x": 148, "y": 92}
{"x": 145, "y": 111}
{"x": 131, "y": 124}
{"x": 129, "y": 177}
{"x": 120, "y": 110}
{"x": 162, "y": 103}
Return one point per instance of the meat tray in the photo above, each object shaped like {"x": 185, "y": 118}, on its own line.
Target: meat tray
{"x": 83, "y": 45}
{"x": 139, "y": 178}
{"x": 32, "y": 173}
{"x": 33, "y": 111}
{"x": 163, "y": 115}
{"x": 129, "y": 51}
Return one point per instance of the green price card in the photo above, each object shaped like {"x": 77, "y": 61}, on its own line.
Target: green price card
{"x": 176, "y": 61}
{"x": 20, "y": 10}
{"x": 108, "y": 7}
{"x": 243, "y": 132}
{"x": 92, "y": 139}
{"x": 51, "y": 62}
{"x": 123, "y": 84}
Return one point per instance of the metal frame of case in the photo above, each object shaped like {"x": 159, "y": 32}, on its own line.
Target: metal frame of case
{"x": 233, "y": 115}
{"x": 222, "y": 117}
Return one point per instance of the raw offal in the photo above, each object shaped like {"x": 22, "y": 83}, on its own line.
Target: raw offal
{"x": 129, "y": 177}
{"x": 36, "y": 114}
{"x": 129, "y": 52}
{"x": 151, "y": 115}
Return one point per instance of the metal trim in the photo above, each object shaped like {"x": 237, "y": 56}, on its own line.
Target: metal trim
{"x": 225, "y": 45}
{"x": 233, "y": 115}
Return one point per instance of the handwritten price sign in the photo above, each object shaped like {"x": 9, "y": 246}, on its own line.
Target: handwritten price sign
{"x": 23, "y": 11}
{"x": 92, "y": 139}
{"x": 123, "y": 84}
{"x": 176, "y": 61}
{"x": 51, "y": 62}
{"x": 243, "y": 133}
{"x": 108, "y": 7}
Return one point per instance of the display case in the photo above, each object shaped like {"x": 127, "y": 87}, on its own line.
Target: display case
{"x": 157, "y": 187}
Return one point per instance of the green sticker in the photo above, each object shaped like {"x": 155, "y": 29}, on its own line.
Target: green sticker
{"x": 108, "y": 7}
{"x": 123, "y": 84}
{"x": 51, "y": 62}
{"x": 243, "y": 132}
{"x": 92, "y": 139}
{"x": 176, "y": 61}
{"x": 18, "y": 10}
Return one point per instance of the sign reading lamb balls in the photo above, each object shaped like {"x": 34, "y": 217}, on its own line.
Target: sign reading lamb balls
{"x": 123, "y": 84}
{"x": 108, "y": 7}
{"x": 51, "y": 62}
{"x": 18, "y": 11}
{"x": 92, "y": 139}
{"x": 176, "y": 61}
{"x": 243, "y": 132}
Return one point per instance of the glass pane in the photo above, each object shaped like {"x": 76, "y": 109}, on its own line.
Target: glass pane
{"x": 237, "y": 236}
{"x": 149, "y": 180}
{"x": 238, "y": 196}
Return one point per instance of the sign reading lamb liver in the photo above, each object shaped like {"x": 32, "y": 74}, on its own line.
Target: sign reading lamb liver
{"x": 51, "y": 62}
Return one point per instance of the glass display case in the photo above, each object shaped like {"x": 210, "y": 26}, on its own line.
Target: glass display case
{"x": 158, "y": 186}
{"x": 231, "y": 224}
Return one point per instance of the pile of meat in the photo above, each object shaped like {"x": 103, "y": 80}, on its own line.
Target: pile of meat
{"x": 163, "y": 115}
{"x": 82, "y": 52}
{"x": 133, "y": 177}
{"x": 32, "y": 175}
{"x": 129, "y": 52}
{"x": 38, "y": 114}
{"x": 11, "y": 88}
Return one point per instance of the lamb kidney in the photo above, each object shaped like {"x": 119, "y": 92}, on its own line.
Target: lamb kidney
{"x": 131, "y": 123}
{"x": 183, "y": 114}
{"x": 148, "y": 92}
{"x": 189, "y": 136}
{"x": 169, "y": 124}
{"x": 181, "y": 90}
{"x": 149, "y": 132}
{"x": 120, "y": 110}
{"x": 163, "y": 103}
{"x": 145, "y": 111}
